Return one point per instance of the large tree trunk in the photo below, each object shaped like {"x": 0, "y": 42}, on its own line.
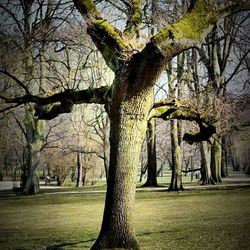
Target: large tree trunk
{"x": 176, "y": 178}
{"x": 128, "y": 126}
{"x": 126, "y": 139}
{"x": 151, "y": 152}
{"x": 206, "y": 176}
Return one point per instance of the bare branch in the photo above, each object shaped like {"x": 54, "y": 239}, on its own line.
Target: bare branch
{"x": 9, "y": 107}
{"x": 237, "y": 67}
{"x": 234, "y": 127}
{"x": 20, "y": 83}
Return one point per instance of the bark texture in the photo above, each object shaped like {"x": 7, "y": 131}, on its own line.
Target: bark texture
{"x": 127, "y": 131}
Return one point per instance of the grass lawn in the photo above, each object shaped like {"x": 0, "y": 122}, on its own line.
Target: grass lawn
{"x": 218, "y": 219}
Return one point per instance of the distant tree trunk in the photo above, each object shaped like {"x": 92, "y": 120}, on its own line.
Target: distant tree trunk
{"x": 206, "y": 176}
{"x": 1, "y": 175}
{"x": 176, "y": 126}
{"x": 231, "y": 157}
{"x": 79, "y": 178}
{"x": 59, "y": 181}
{"x": 224, "y": 172}
{"x": 143, "y": 171}
{"x": 84, "y": 171}
{"x": 216, "y": 160}
{"x": 34, "y": 139}
{"x": 176, "y": 178}
{"x": 151, "y": 152}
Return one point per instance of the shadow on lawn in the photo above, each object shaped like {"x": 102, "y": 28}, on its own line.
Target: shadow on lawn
{"x": 72, "y": 244}
{"x": 147, "y": 233}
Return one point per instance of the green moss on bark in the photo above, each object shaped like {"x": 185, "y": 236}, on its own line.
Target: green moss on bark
{"x": 191, "y": 30}
{"x": 110, "y": 30}
{"x": 137, "y": 15}
{"x": 87, "y": 7}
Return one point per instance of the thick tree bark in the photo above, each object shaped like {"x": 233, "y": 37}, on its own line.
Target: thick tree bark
{"x": 175, "y": 126}
{"x": 34, "y": 128}
{"x": 106, "y": 164}
{"x": 151, "y": 153}
{"x": 128, "y": 126}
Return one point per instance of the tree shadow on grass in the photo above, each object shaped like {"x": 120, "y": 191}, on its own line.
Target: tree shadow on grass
{"x": 69, "y": 244}
{"x": 148, "y": 233}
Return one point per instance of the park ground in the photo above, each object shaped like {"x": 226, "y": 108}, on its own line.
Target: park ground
{"x": 198, "y": 218}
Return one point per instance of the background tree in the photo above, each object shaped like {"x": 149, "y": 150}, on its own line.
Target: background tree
{"x": 31, "y": 21}
{"x": 216, "y": 55}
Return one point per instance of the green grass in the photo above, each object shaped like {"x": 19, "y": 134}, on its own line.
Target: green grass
{"x": 186, "y": 220}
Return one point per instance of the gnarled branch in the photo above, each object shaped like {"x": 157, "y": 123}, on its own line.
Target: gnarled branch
{"x": 48, "y": 107}
{"x": 106, "y": 37}
{"x": 173, "y": 109}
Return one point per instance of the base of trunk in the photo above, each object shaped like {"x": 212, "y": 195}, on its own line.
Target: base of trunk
{"x": 176, "y": 188}
{"x": 32, "y": 185}
{"x": 106, "y": 241}
{"x": 176, "y": 183}
{"x": 32, "y": 189}
{"x": 208, "y": 181}
{"x": 150, "y": 184}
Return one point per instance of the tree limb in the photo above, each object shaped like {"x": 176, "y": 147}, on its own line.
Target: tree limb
{"x": 106, "y": 37}
{"x": 48, "y": 107}
{"x": 191, "y": 30}
{"x": 173, "y": 109}
{"x": 134, "y": 20}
